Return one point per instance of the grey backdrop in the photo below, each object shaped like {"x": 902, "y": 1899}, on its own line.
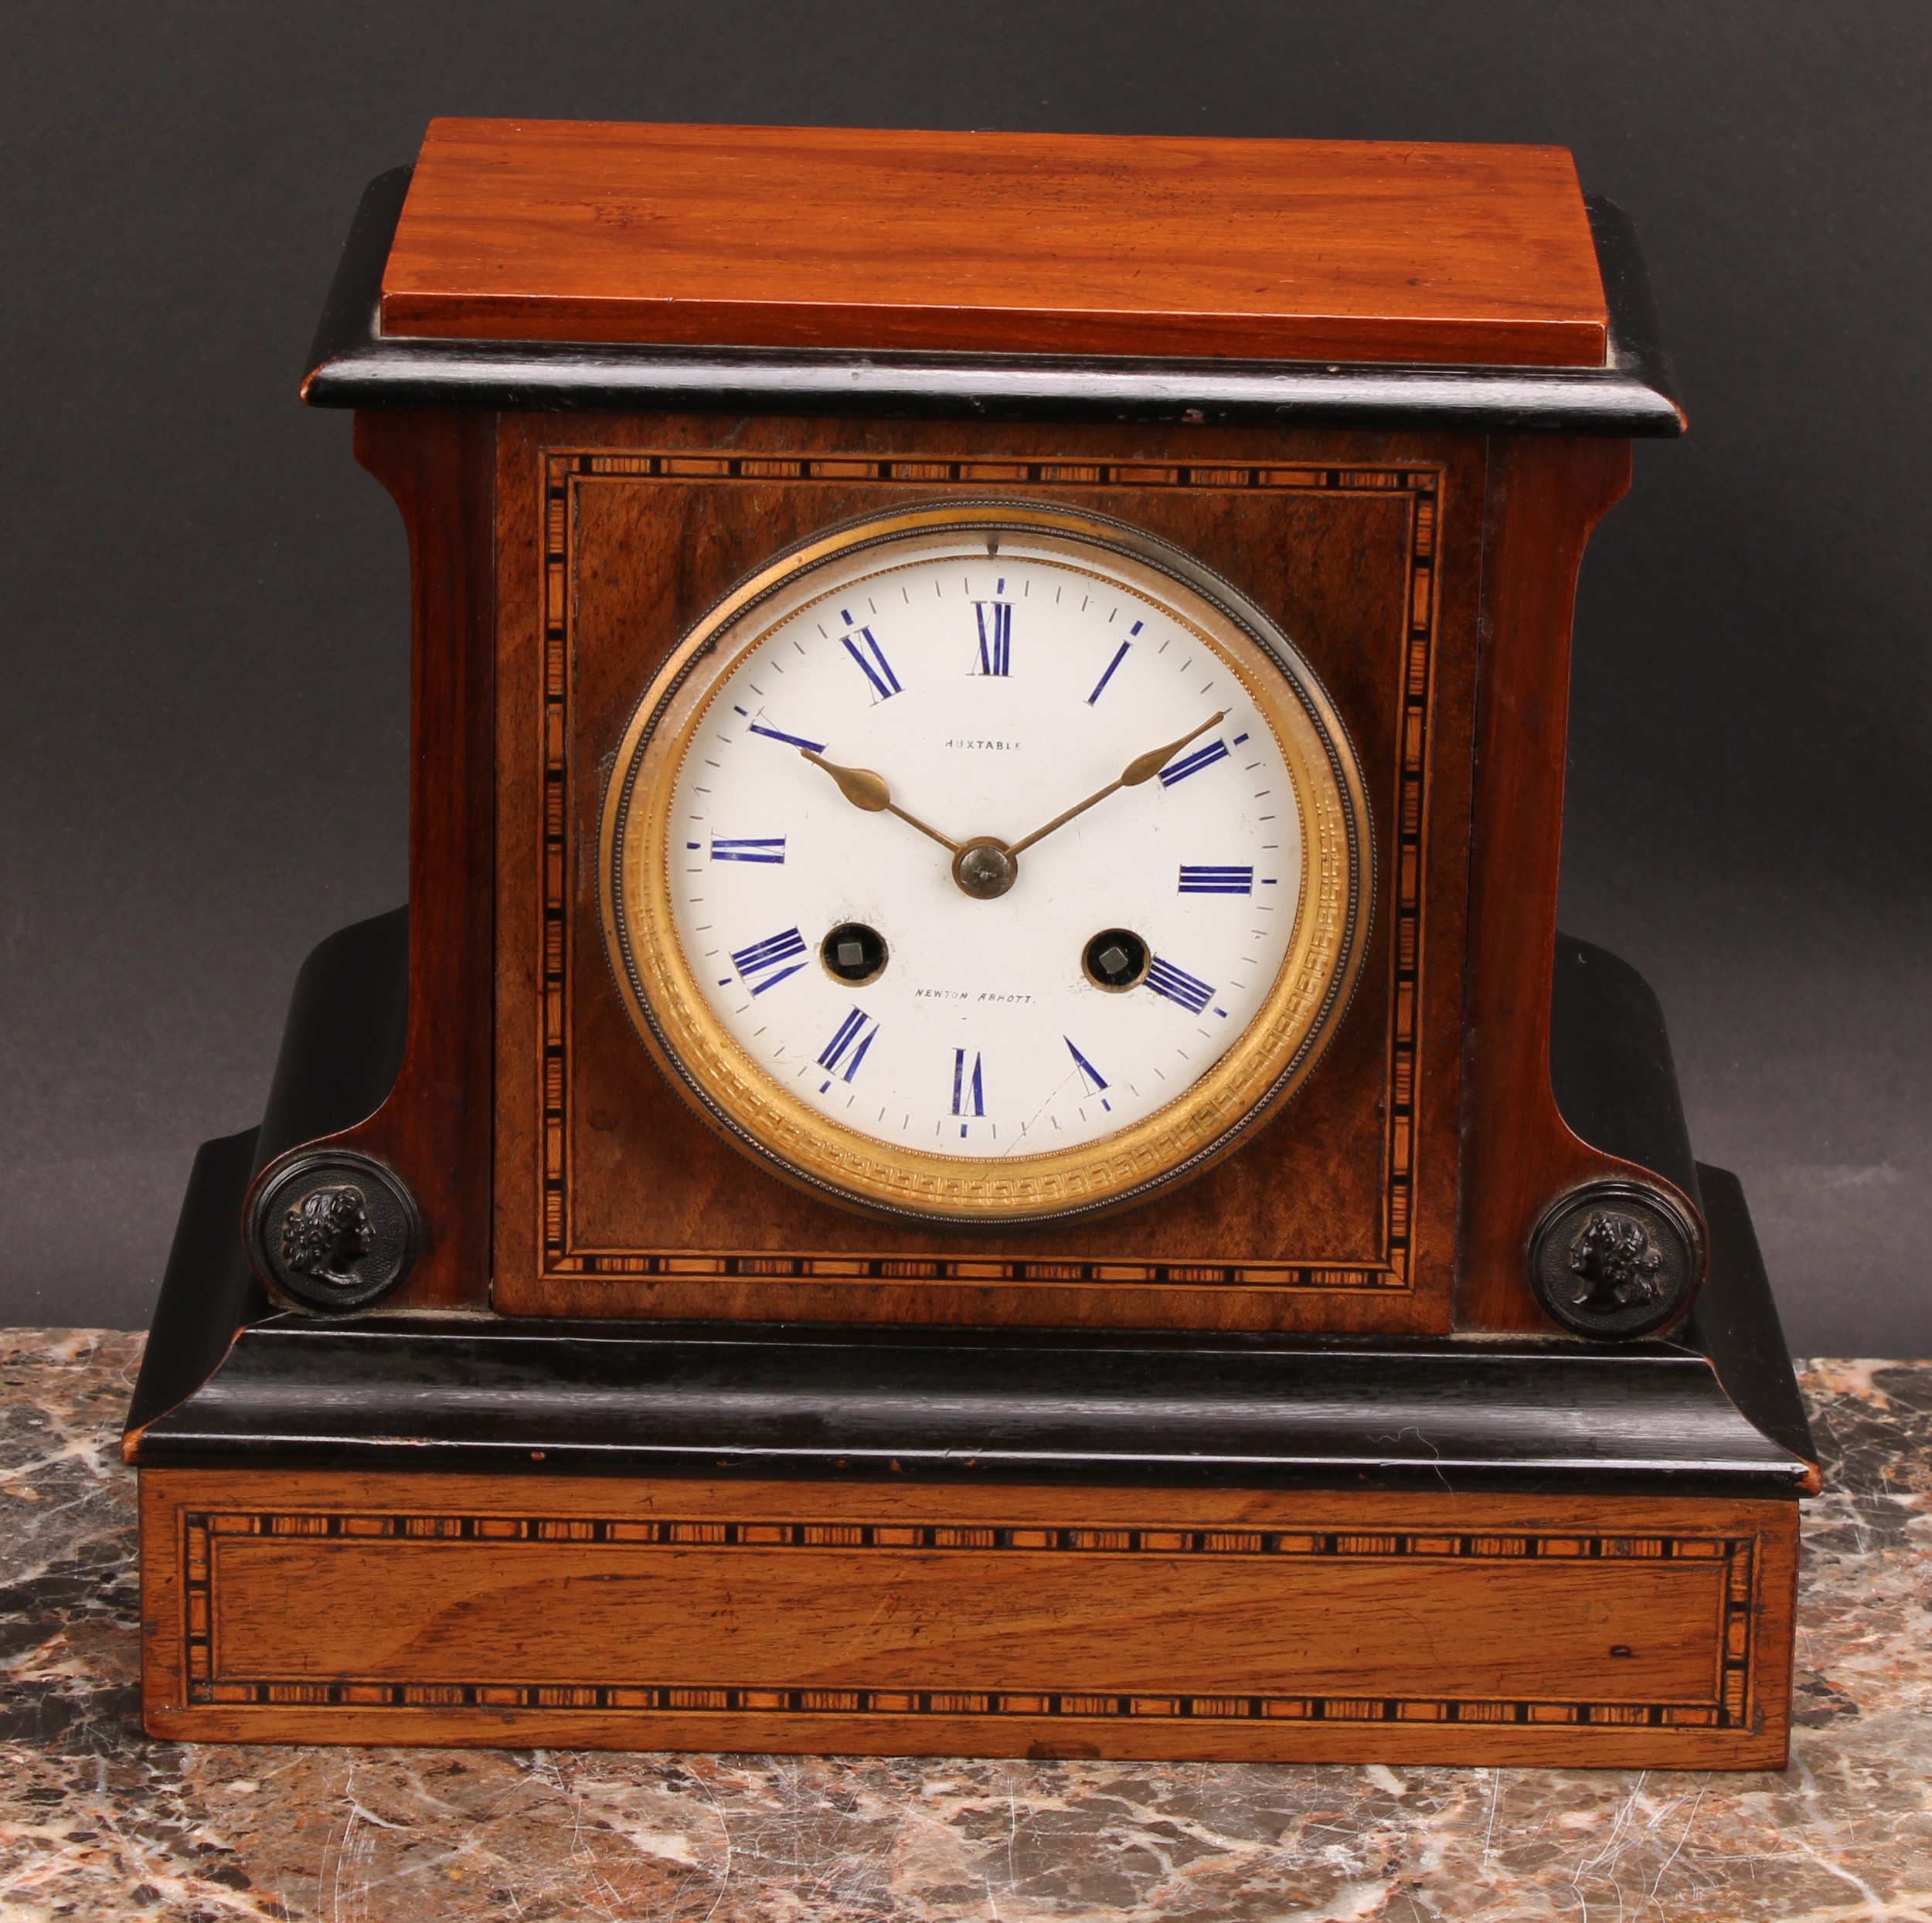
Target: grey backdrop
{"x": 204, "y": 626}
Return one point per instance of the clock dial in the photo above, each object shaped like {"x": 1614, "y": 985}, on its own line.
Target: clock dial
{"x": 989, "y": 694}
{"x": 987, "y": 863}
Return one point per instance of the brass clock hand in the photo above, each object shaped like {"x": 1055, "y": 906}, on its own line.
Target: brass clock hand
{"x": 1141, "y": 768}
{"x": 865, "y": 790}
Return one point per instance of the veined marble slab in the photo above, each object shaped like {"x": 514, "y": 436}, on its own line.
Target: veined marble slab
{"x": 97, "y": 1822}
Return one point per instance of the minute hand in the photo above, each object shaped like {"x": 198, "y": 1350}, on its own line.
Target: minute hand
{"x": 1141, "y": 768}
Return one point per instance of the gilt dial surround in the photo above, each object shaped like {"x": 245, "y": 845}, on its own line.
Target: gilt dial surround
{"x": 985, "y": 863}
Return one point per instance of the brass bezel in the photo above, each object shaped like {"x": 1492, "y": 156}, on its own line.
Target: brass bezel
{"x": 1273, "y": 1054}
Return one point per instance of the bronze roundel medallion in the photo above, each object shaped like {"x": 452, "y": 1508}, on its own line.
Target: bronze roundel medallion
{"x": 333, "y": 1230}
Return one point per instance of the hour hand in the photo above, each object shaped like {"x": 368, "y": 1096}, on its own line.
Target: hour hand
{"x": 863, "y": 788}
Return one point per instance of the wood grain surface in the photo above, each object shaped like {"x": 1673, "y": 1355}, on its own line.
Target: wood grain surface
{"x": 1547, "y": 496}
{"x": 614, "y": 533}
{"x": 896, "y": 1619}
{"x": 1335, "y": 250}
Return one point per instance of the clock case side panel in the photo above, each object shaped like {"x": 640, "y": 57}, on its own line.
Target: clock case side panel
{"x": 847, "y": 1267}
{"x": 432, "y": 1131}
{"x": 1522, "y": 1151}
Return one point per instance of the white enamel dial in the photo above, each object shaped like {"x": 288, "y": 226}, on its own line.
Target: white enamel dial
{"x": 850, "y": 857}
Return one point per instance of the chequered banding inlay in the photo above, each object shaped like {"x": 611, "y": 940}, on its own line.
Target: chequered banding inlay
{"x": 564, "y": 1256}
{"x": 547, "y": 1533}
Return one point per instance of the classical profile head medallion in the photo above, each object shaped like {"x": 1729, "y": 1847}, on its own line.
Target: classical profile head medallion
{"x": 1614, "y": 1261}
{"x": 332, "y": 1231}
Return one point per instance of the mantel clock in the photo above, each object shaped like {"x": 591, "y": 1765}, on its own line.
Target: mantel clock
{"x": 979, "y": 1026}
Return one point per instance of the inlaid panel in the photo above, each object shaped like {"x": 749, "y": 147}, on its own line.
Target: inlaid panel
{"x": 613, "y": 1198}
{"x": 1117, "y": 1621}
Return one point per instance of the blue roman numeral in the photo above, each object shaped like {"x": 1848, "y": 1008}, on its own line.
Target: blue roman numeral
{"x": 878, "y": 670}
{"x": 1193, "y": 764}
{"x": 795, "y": 741}
{"x": 1120, "y": 655}
{"x": 771, "y": 850}
{"x": 1178, "y": 986}
{"x": 969, "y": 1091}
{"x": 842, "y": 1055}
{"x": 995, "y": 636}
{"x": 1209, "y": 880}
{"x": 1092, "y": 1081}
{"x": 762, "y": 958}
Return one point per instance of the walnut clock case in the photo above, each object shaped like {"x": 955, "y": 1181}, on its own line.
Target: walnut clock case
{"x": 977, "y": 1136}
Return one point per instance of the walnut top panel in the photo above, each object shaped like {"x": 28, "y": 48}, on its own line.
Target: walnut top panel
{"x": 820, "y": 237}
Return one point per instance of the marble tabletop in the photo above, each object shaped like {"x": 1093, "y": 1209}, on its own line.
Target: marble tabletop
{"x": 97, "y": 1821}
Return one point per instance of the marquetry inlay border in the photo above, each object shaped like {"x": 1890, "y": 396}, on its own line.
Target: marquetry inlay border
{"x": 545, "y": 1537}
{"x": 563, "y": 1257}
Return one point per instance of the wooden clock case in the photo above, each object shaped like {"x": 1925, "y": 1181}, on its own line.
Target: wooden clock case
{"x": 630, "y": 1454}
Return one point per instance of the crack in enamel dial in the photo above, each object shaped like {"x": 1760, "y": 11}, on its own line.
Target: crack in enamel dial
{"x": 988, "y": 863}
